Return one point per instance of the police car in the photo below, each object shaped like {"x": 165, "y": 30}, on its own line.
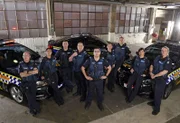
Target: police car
{"x": 151, "y": 52}
{"x": 10, "y": 56}
{"x": 90, "y": 42}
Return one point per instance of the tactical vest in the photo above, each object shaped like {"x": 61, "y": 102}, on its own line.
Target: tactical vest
{"x": 120, "y": 52}
{"x": 110, "y": 57}
{"x": 64, "y": 58}
{"x": 29, "y": 67}
{"x": 78, "y": 61}
{"x": 159, "y": 65}
{"x": 139, "y": 65}
{"x": 96, "y": 68}
{"x": 49, "y": 67}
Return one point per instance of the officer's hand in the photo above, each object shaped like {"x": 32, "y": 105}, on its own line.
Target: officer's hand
{"x": 103, "y": 77}
{"x": 75, "y": 54}
{"x": 89, "y": 78}
{"x": 42, "y": 77}
{"x": 119, "y": 69}
{"x": 70, "y": 59}
{"x": 35, "y": 71}
{"x": 152, "y": 75}
{"x": 132, "y": 70}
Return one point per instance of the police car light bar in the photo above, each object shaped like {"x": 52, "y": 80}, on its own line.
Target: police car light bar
{"x": 6, "y": 41}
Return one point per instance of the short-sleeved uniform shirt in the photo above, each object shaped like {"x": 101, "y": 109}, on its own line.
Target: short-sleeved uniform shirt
{"x": 87, "y": 63}
{"x": 63, "y": 57}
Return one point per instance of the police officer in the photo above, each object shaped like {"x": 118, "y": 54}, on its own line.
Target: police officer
{"x": 79, "y": 58}
{"x": 47, "y": 71}
{"x": 139, "y": 66}
{"x": 121, "y": 50}
{"x": 63, "y": 56}
{"x": 28, "y": 72}
{"x": 95, "y": 76}
{"x": 158, "y": 72}
{"x": 110, "y": 57}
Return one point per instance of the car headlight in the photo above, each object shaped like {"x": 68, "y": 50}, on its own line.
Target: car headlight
{"x": 41, "y": 83}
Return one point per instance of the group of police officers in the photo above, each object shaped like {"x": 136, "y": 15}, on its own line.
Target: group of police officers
{"x": 90, "y": 73}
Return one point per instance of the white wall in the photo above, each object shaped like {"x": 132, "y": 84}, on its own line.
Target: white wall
{"x": 36, "y": 44}
{"x": 40, "y": 44}
{"x": 132, "y": 38}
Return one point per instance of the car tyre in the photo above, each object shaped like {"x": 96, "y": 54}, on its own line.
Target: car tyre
{"x": 168, "y": 90}
{"x": 17, "y": 94}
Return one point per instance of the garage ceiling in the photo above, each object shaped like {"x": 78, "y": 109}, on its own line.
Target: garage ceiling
{"x": 151, "y": 2}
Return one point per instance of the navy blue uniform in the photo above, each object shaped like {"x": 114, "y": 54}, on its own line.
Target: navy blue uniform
{"x": 29, "y": 85}
{"x": 65, "y": 67}
{"x": 139, "y": 66}
{"x": 110, "y": 57}
{"x": 78, "y": 61}
{"x": 48, "y": 70}
{"x": 159, "y": 65}
{"x": 95, "y": 71}
{"x": 120, "y": 55}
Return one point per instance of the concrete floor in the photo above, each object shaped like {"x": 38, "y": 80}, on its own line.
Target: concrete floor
{"x": 71, "y": 112}
{"x": 116, "y": 109}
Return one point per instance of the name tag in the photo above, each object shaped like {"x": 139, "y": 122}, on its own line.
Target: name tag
{"x": 100, "y": 63}
{"x": 142, "y": 61}
{"x": 160, "y": 62}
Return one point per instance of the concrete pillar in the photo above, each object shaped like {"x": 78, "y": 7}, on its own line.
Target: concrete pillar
{"x": 112, "y": 22}
{"x": 50, "y": 18}
{"x": 171, "y": 25}
{"x": 151, "y": 24}
{"x": 175, "y": 34}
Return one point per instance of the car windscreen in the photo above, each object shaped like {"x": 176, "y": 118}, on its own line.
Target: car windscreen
{"x": 154, "y": 50}
{"x": 13, "y": 54}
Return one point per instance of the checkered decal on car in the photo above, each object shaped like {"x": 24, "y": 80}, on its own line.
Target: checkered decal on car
{"x": 7, "y": 78}
{"x": 174, "y": 75}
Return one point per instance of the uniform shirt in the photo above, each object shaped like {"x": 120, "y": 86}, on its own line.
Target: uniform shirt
{"x": 147, "y": 63}
{"x": 78, "y": 64}
{"x": 166, "y": 66}
{"x": 27, "y": 67}
{"x": 87, "y": 63}
{"x": 47, "y": 67}
{"x": 63, "y": 58}
{"x": 110, "y": 57}
{"x": 96, "y": 69}
{"x": 127, "y": 51}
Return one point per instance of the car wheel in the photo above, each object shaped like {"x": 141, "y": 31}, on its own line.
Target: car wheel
{"x": 17, "y": 94}
{"x": 168, "y": 90}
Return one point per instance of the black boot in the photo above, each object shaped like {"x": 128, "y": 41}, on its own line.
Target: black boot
{"x": 151, "y": 103}
{"x": 76, "y": 94}
{"x": 100, "y": 106}
{"x": 87, "y": 105}
{"x": 82, "y": 99}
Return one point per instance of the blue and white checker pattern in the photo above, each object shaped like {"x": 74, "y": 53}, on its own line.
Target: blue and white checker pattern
{"x": 172, "y": 76}
{"x": 15, "y": 80}
{"x": 12, "y": 79}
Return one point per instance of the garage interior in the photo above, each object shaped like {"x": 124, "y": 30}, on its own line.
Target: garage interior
{"x": 141, "y": 22}
{"x": 34, "y": 22}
